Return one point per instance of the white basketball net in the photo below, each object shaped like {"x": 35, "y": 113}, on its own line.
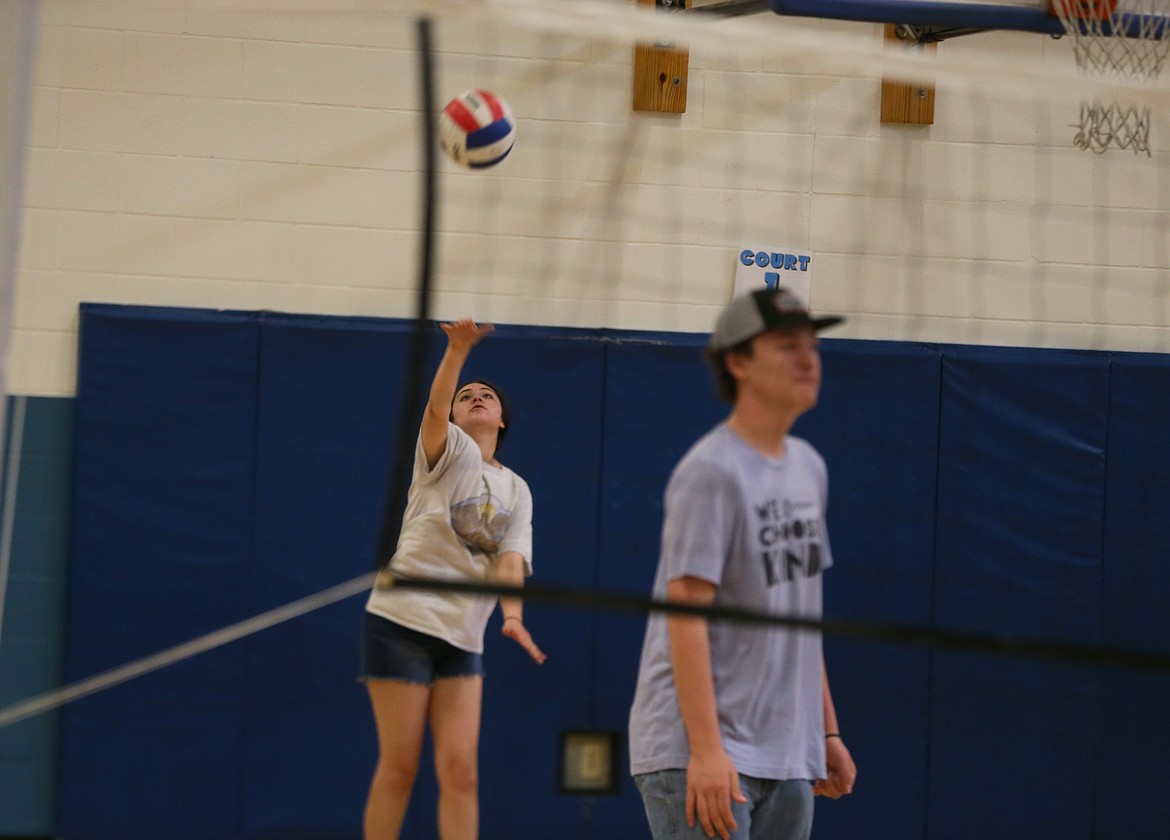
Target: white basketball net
{"x": 1092, "y": 24}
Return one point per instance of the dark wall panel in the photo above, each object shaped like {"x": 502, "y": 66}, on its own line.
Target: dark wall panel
{"x": 876, "y": 425}
{"x": 553, "y": 378}
{"x": 162, "y": 519}
{"x": 328, "y": 406}
{"x": 1021, "y": 491}
{"x": 658, "y": 400}
{"x": 1134, "y": 720}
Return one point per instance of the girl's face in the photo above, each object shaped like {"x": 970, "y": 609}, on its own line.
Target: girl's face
{"x": 477, "y": 406}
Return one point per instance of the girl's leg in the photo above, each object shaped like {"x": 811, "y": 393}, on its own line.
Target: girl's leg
{"x": 454, "y": 716}
{"x": 400, "y": 710}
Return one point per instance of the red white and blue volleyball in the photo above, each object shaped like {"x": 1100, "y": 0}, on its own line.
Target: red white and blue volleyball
{"x": 476, "y": 129}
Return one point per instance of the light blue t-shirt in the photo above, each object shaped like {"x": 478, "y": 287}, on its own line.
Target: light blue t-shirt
{"x": 755, "y": 527}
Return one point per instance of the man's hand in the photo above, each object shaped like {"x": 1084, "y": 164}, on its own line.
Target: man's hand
{"x": 842, "y": 772}
{"x": 712, "y": 782}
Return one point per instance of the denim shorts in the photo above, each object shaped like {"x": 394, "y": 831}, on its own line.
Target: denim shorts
{"x": 393, "y": 652}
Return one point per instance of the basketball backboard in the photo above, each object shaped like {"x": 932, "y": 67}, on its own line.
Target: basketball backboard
{"x": 1025, "y": 15}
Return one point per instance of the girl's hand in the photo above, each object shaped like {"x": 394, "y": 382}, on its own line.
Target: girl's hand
{"x": 514, "y": 629}
{"x": 464, "y": 334}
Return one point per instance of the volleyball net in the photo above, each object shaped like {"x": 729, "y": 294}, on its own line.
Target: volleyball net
{"x": 982, "y": 226}
{"x": 769, "y": 162}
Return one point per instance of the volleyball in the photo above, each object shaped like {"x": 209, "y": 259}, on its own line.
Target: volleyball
{"x": 476, "y": 129}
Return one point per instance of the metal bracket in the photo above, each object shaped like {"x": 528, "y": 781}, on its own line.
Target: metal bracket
{"x": 730, "y": 8}
{"x": 930, "y": 34}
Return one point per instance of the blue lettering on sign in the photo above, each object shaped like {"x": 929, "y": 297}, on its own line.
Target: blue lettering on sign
{"x": 779, "y": 261}
{"x": 771, "y": 280}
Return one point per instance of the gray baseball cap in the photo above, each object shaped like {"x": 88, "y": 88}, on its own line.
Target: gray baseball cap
{"x": 756, "y": 312}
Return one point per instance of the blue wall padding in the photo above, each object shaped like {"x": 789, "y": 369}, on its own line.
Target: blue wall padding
{"x": 1021, "y": 494}
{"x": 553, "y": 379}
{"x": 326, "y": 399}
{"x": 1134, "y": 711}
{"x": 877, "y": 427}
{"x": 228, "y": 463}
{"x": 657, "y": 400}
{"x": 162, "y": 522}
{"x": 1137, "y": 527}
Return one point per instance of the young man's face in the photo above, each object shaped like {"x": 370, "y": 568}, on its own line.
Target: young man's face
{"x": 475, "y": 406}
{"x": 784, "y": 369}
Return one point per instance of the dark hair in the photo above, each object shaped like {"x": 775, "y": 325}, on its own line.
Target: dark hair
{"x": 725, "y": 384}
{"x": 505, "y": 406}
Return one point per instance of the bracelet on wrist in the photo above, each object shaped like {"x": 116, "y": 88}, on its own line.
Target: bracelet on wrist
{"x": 829, "y": 735}
{"x": 513, "y": 618}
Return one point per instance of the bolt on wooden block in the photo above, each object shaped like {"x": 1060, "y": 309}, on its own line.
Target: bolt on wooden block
{"x": 907, "y": 103}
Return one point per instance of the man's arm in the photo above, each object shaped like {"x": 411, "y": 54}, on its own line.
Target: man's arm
{"x": 712, "y": 780}
{"x": 838, "y": 762}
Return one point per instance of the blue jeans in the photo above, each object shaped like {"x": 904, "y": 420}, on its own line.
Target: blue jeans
{"x": 775, "y": 810}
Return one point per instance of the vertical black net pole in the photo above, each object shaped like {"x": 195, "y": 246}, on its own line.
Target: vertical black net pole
{"x": 414, "y": 390}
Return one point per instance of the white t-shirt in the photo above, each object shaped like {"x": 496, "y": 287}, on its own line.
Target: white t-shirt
{"x": 461, "y": 514}
{"x": 755, "y": 527}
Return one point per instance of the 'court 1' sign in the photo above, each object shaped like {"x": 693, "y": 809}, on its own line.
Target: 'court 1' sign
{"x": 772, "y": 267}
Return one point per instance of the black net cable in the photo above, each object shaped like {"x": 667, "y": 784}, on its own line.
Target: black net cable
{"x": 932, "y": 637}
{"x": 581, "y": 598}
